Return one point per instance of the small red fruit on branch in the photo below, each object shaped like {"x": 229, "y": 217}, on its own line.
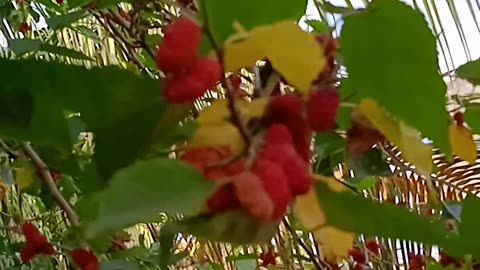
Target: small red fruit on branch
{"x": 24, "y": 27}
{"x": 459, "y": 118}
{"x": 373, "y": 247}
{"x": 268, "y": 258}
{"x": 59, "y": 2}
{"x": 35, "y": 243}
{"x": 357, "y": 255}
{"x": 416, "y": 261}
{"x": 188, "y": 75}
{"x": 85, "y": 259}
{"x": 322, "y": 109}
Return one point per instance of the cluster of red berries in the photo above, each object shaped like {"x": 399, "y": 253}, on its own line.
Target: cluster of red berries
{"x": 235, "y": 81}
{"x": 330, "y": 46}
{"x": 188, "y": 76}
{"x": 37, "y": 244}
{"x": 359, "y": 259}
{"x": 266, "y": 188}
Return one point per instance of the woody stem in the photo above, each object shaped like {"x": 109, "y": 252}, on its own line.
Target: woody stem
{"x": 47, "y": 177}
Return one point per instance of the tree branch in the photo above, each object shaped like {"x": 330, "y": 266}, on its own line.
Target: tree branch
{"x": 47, "y": 177}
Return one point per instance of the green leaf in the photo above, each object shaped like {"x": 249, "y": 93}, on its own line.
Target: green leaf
{"x": 328, "y": 143}
{"x": 470, "y": 223}
{"x": 110, "y": 101}
{"x": 472, "y": 117}
{"x": 24, "y": 45}
{"x": 318, "y": 26}
{"x": 438, "y": 266}
{"x": 59, "y": 22}
{"x": 371, "y": 163}
{"x": 63, "y": 51}
{"x": 234, "y": 227}
{"x": 331, "y": 8}
{"x": 408, "y": 84}
{"x": 78, "y": 3}
{"x": 87, "y": 32}
{"x": 353, "y": 213}
{"x": 118, "y": 265}
{"x": 151, "y": 186}
{"x": 249, "y": 13}
{"x": 365, "y": 183}
{"x": 109, "y": 3}
{"x": 470, "y": 71}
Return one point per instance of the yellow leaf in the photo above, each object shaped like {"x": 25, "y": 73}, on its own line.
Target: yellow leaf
{"x": 462, "y": 143}
{"x": 335, "y": 243}
{"x": 406, "y": 138}
{"x": 295, "y": 54}
{"x": 223, "y": 134}
{"x": 332, "y": 183}
{"x": 24, "y": 177}
{"x": 214, "y": 114}
{"x": 218, "y": 112}
{"x": 307, "y": 210}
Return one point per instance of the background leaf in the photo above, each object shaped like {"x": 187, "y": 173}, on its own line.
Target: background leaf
{"x": 470, "y": 71}
{"x": 249, "y": 13}
{"x": 408, "y": 84}
{"x": 151, "y": 186}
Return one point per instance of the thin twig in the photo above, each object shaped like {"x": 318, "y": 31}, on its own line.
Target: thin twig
{"x": 47, "y": 177}
{"x": 304, "y": 246}
{"x": 230, "y": 93}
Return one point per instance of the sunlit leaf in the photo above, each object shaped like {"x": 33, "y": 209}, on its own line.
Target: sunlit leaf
{"x": 408, "y": 85}
{"x": 152, "y": 187}
{"x": 470, "y": 71}
{"x": 403, "y": 136}
{"x": 335, "y": 243}
{"x": 249, "y": 13}
{"x": 223, "y": 134}
{"x": 462, "y": 143}
{"x": 24, "y": 177}
{"x": 295, "y": 54}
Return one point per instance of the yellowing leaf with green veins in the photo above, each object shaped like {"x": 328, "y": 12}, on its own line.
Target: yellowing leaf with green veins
{"x": 214, "y": 114}
{"x": 406, "y": 138}
{"x": 219, "y": 112}
{"x": 223, "y": 134}
{"x": 295, "y": 54}
{"x": 24, "y": 177}
{"x": 335, "y": 243}
{"x": 308, "y": 211}
{"x": 462, "y": 143}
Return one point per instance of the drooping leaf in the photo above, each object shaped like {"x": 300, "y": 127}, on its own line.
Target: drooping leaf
{"x": 472, "y": 117}
{"x": 371, "y": 163}
{"x": 468, "y": 227}
{"x": 109, "y": 99}
{"x": 365, "y": 183}
{"x": 24, "y": 45}
{"x": 234, "y": 227}
{"x": 403, "y": 136}
{"x": 151, "y": 186}
{"x": 24, "y": 177}
{"x": 223, "y": 134}
{"x": 78, "y": 3}
{"x": 318, "y": 26}
{"x": 61, "y": 21}
{"x": 63, "y": 51}
{"x": 335, "y": 243}
{"x": 408, "y": 85}
{"x": 118, "y": 265}
{"x": 299, "y": 60}
{"x": 357, "y": 214}
{"x": 249, "y": 13}
{"x": 470, "y": 71}
{"x": 462, "y": 143}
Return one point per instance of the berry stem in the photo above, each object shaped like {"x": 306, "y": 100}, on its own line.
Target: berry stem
{"x": 235, "y": 117}
{"x": 47, "y": 177}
